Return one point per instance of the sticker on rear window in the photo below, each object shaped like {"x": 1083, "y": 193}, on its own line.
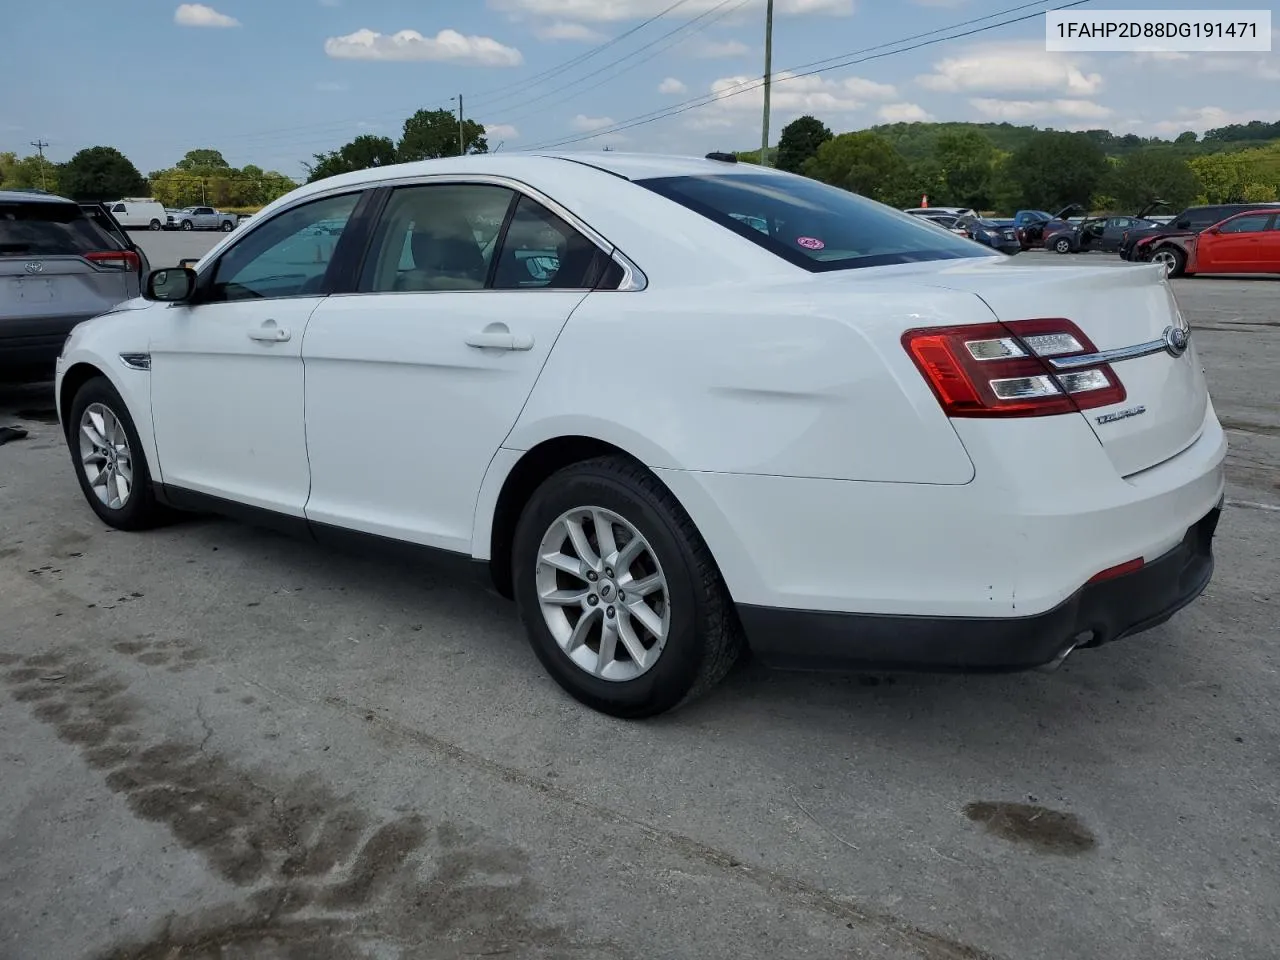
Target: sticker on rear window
{"x": 810, "y": 243}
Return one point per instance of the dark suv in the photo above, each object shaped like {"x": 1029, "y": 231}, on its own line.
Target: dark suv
{"x": 60, "y": 262}
{"x": 1189, "y": 221}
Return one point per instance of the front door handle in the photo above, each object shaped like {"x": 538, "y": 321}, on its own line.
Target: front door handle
{"x": 496, "y": 336}
{"x": 270, "y": 333}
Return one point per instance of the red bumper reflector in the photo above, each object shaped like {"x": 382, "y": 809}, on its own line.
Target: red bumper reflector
{"x": 1119, "y": 570}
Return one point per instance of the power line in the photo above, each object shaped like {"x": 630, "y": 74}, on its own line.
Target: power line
{"x": 40, "y": 145}
{"x": 835, "y": 63}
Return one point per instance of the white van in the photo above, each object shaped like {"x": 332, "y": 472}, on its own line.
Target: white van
{"x": 140, "y": 213}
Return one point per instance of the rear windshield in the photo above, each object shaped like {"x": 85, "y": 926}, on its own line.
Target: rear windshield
{"x": 49, "y": 229}
{"x": 810, "y": 224}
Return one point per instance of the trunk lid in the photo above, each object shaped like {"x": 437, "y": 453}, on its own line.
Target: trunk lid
{"x": 1117, "y": 308}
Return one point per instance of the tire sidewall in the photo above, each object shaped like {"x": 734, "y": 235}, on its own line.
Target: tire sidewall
{"x": 155, "y": 225}
{"x": 140, "y": 510}
{"x": 665, "y": 684}
{"x": 1062, "y": 245}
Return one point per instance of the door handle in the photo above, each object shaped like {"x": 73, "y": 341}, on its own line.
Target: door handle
{"x": 270, "y": 333}
{"x": 496, "y": 336}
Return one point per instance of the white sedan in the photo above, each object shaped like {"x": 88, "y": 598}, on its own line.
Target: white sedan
{"x": 674, "y": 408}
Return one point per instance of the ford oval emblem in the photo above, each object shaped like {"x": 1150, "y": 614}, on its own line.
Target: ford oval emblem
{"x": 34, "y": 266}
{"x": 1175, "y": 341}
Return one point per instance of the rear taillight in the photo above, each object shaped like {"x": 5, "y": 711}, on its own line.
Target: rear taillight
{"x": 121, "y": 259}
{"x": 1002, "y": 369}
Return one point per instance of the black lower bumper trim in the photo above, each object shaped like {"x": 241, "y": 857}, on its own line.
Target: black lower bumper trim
{"x": 1097, "y": 613}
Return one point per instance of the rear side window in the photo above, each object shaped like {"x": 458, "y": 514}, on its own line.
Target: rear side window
{"x": 49, "y": 229}
{"x": 541, "y": 250}
{"x": 811, "y": 224}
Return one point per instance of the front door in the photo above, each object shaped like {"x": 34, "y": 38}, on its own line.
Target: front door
{"x": 226, "y": 370}
{"x": 414, "y": 382}
{"x": 1236, "y": 247}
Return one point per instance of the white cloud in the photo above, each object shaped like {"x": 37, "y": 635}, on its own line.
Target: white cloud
{"x": 587, "y": 124}
{"x": 672, "y": 85}
{"x": 447, "y": 45}
{"x": 903, "y": 113}
{"x": 811, "y": 94}
{"x": 500, "y": 131}
{"x": 601, "y": 11}
{"x": 1201, "y": 119}
{"x": 332, "y": 86}
{"x": 565, "y": 30}
{"x": 198, "y": 15}
{"x": 1261, "y": 67}
{"x": 1023, "y": 110}
{"x": 1014, "y": 66}
{"x": 719, "y": 49}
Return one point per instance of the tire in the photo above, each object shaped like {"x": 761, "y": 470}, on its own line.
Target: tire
{"x": 154, "y": 225}
{"x": 187, "y": 225}
{"x": 227, "y": 226}
{"x": 139, "y": 509}
{"x": 702, "y": 637}
{"x": 1175, "y": 260}
{"x": 1062, "y": 245}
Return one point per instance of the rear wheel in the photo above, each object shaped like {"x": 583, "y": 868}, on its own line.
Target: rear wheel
{"x": 1062, "y": 245}
{"x": 154, "y": 225}
{"x": 620, "y": 597}
{"x": 1173, "y": 260}
{"x": 109, "y": 461}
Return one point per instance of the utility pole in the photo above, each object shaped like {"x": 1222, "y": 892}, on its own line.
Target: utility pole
{"x": 768, "y": 81}
{"x": 40, "y": 145}
{"x": 462, "y": 145}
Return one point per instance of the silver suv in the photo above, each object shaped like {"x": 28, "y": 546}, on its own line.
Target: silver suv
{"x": 60, "y": 262}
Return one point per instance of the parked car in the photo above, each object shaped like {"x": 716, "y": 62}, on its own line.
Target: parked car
{"x": 139, "y": 213}
{"x": 1190, "y": 221}
{"x": 60, "y": 263}
{"x": 201, "y": 218}
{"x": 948, "y": 223}
{"x": 992, "y": 233}
{"x": 1094, "y": 233}
{"x": 942, "y": 211}
{"x": 666, "y": 433}
{"x": 1029, "y": 225}
{"x": 1245, "y": 243}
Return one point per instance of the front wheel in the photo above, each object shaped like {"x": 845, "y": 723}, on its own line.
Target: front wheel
{"x": 1173, "y": 260}
{"x": 619, "y": 594}
{"x": 154, "y": 225}
{"x": 187, "y": 225}
{"x": 1062, "y": 245}
{"x": 227, "y": 226}
{"x": 109, "y": 460}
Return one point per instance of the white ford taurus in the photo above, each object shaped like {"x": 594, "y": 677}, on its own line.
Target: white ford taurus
{"x": 674, "y": 407}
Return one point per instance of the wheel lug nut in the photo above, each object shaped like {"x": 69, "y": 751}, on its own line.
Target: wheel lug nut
{"x": 608, "y": 573}
{"x": 609, "y": 613}
{"x": 591, "y": 576}
{"x": 592, "y": 600}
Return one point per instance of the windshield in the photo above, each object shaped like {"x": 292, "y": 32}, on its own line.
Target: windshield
{"x": 810, "y": 224}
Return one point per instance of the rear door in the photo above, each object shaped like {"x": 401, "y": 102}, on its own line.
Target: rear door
{"x": 426, "y": 368}
{"x": 1166, "y": 396}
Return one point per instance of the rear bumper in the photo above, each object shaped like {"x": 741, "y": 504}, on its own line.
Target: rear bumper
{"x": 1098, "y": 613}
{"x": 34, "y": 343}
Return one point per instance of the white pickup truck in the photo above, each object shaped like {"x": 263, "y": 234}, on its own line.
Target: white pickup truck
{"x": 201, "y": 218}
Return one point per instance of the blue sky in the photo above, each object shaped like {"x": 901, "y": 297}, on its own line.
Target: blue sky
{"x": 273, "y": 81}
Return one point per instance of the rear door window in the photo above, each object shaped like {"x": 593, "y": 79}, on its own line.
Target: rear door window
{"x": 50, "y": 230}
{"x": 540, "y": 250}
{"x": 810, "y": 224}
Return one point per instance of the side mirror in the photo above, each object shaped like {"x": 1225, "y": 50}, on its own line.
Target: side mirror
{"x": 171, "y": 285}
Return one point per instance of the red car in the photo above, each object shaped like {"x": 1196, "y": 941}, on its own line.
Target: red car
{"x": 1244, "y": 243}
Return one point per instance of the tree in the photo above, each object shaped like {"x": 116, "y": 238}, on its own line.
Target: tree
{"x": 434, "y": 133}
{"x": 204, "y": 158}
{"x": 1188, "y": 136}
{"x": 1150, "y": 175}
{"x": 800, "y": 140}
{"x": 363, "y": 152}
{"x": 967, "y": 160}
{"x": 1054, "y": 169}
{"x": 101, "y": 173}
{"x": 863, "y": 162}
{"x": 27, "y": 173}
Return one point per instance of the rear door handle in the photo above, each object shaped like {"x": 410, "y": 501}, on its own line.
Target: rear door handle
{"x": 496, "y": 336}
{"x": 270, "y": 333}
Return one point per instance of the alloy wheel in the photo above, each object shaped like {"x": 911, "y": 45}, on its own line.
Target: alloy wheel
{"x": 105, "y": 456}
{"x": 1166, "y": 259}
{"x": 603, "y": 594}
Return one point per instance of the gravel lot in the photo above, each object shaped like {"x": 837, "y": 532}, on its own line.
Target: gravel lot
{"x": 220, "y": 743}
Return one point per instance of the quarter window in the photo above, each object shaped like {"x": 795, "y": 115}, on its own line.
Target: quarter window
{"x": 542, "y": 250}
{"x": 287, "y": 256}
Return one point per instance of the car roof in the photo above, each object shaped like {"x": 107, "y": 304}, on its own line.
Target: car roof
{"x": 22, "y": 196}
